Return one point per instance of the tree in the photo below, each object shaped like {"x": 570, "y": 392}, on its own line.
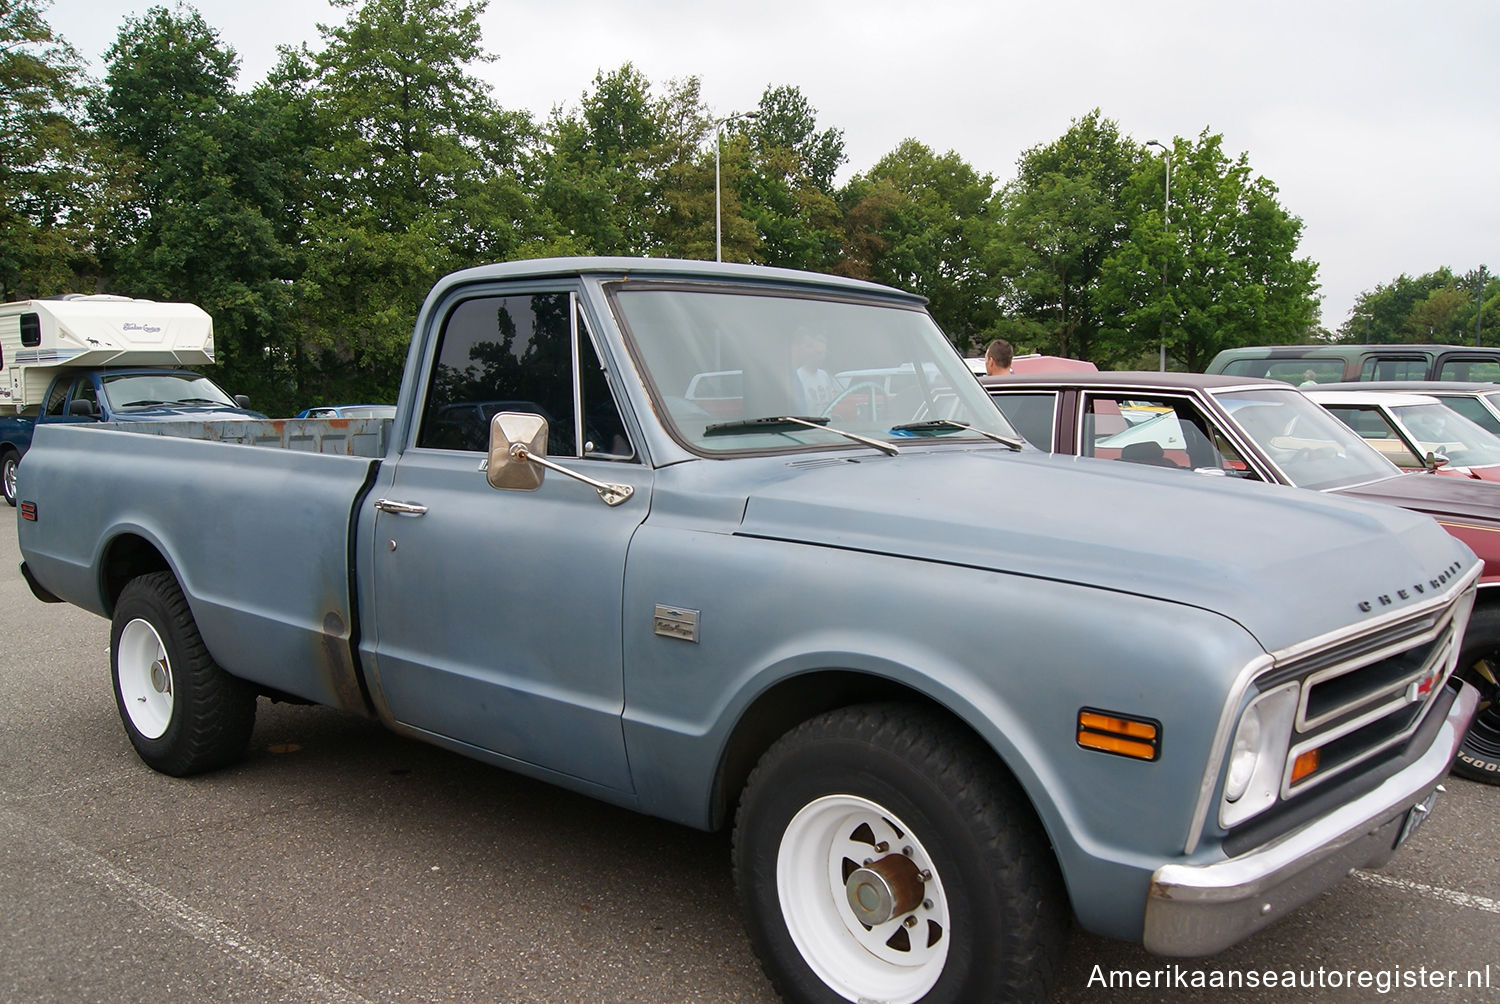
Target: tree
{"x": 1065, "y": 213}
{"x": 919, "y": 221}
{"x": 420, "y": 172}
{"x": 1221, "y": 272}
{"x": 43, "y": 174}
{"x": 788, "y": 190}
{"x": 194, "y": 190}
{"x": 1436, "y": 307}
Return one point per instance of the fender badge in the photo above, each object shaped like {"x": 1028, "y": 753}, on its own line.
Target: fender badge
{"x": 675, "y": 622}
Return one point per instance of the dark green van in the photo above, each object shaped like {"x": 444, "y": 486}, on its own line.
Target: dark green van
{"x": 1308, "y": 364}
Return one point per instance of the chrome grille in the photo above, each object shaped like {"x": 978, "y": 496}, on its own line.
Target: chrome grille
{"x": 1355, "y": 707}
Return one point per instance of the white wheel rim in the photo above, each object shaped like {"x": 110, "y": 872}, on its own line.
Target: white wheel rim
{"x": 145, "y": 678}
{"x": 898, "y": 961}
{"x": 11, "y": 476}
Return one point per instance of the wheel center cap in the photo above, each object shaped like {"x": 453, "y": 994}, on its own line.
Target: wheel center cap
{"x": 159, "y": 678}
{"x": 884, "y": 889}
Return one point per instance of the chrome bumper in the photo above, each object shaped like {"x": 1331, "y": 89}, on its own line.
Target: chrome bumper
{"x": 1202, "y": 909}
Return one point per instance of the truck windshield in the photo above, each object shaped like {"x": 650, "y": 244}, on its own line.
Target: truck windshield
{"x": 1312, "y": 448}
{"x": 728, "y": 367}
{"x": 130, "y": 391}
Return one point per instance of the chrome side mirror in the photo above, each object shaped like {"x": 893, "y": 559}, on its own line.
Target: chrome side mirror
{"x": 515, "y": 438}
{"x": 517, "y": 459}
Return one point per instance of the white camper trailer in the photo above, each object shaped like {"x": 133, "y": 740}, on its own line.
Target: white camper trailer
{"x": 39, "y": 336}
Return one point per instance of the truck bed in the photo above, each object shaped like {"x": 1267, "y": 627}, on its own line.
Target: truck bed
{"x": 269, "y": 570}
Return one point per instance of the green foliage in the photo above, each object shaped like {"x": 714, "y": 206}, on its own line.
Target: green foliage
{"x": 43, "y": 157}
{"x": 927, "y": 224}
{"x": 1439, "y": 307}
{"x": 194, "y": 195}
{"x": 1219, "y": 273}
{"x": 1065, "y": 213}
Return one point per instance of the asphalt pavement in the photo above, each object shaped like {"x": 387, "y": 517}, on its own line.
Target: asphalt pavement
{"x": 341, "y": 863}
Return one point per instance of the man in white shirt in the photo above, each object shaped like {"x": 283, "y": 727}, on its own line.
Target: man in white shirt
{"x": 815, "y": 388}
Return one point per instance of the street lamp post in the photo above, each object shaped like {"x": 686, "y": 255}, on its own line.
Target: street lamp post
{"x": 1166, "y": 216}
{"x": 719, "y": 125}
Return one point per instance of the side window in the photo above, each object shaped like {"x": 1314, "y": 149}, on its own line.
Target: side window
{"x": 1475, "y": 411}
{"x": 501, "y": 353}
{"x": 1470, "y": 370}
{"x": 57, "y": 399}
{"x": 1394, "y": 368}
{"x": 604, "y": 436}
{"x": 83, "y": 391}
{"x": 31, "y": 330}
{"x": 1032, "y": 415}
{"x": 1375, "y": 429}
{"x": 1159, "y": 432}
{"x": 515, "y": 353}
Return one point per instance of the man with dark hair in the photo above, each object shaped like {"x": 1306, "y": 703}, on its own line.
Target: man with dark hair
{"x": 997, "y": 358}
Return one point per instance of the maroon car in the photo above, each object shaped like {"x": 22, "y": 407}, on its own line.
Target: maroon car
{"x": 1268, "y": 431}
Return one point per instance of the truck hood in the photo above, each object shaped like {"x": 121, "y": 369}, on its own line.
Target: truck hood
{"x": 1286, "y": 564}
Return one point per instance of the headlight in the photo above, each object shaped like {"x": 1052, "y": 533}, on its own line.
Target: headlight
{"x": 1244, "y": 756}
{"x": 1252, "y": 782}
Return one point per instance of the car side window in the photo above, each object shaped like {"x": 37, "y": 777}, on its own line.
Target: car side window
{"x": 501, "y": 353}
{"x": 1375, "y": 429}
{"x": 1032, "y": 414}
{"x": 515, "y": 353}
{"x": 57, "y": 399}
{"x": 1474, "y": 411}
{"x": 1394, "y": 368}
{"x": 1156, "y": 431}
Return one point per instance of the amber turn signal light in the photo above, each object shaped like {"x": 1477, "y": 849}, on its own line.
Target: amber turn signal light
{"x": 1122, "y": 735}
{"x": 1305, "y": 765}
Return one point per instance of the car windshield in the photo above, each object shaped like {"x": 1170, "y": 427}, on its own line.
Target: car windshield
{"x": 131, "y": 391}
{"x": 1311, "y": 447}
{"x": 1436, "y": 428}
{"x": 733, "y": 371}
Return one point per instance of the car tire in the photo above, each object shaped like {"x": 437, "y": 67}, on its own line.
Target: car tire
{"x": 1479, "y": 664}
{"x": 881, "y": 852}
{"x": 183, "y": 713}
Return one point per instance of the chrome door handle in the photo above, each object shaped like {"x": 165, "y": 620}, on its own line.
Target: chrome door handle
{"x": 400, "y": 508}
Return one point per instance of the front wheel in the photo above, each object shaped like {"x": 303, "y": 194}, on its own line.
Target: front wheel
{"x": 880, "y": 853}
{"x": 183, "y": 713}
{"x": 1479, "y": 664}
{"x": 10, "y": 463}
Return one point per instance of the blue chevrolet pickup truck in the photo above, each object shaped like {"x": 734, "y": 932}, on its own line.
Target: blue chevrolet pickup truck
{"x": 946, "y": 689}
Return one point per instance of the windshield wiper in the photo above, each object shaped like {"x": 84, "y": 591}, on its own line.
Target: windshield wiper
{"x": 782, "y": 423}
{"x": 945, "y": 424}
{"x": 146, "y": 404}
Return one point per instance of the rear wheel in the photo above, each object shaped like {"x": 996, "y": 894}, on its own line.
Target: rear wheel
{"x": 881, "y": 853}
{"x": 183, "y": 713}
{"x": 1479, "y": 664}
{"x": 10, "y": 462}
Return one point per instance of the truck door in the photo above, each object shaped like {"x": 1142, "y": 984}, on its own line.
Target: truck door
{"x": 497, "y": 614}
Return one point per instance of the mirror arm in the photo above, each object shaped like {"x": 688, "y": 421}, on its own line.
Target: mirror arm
{"x": 612, "y": 494}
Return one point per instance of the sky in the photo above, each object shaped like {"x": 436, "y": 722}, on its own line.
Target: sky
{"x": 1378, "y": 121}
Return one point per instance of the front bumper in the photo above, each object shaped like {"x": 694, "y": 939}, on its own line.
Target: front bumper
{"x": 1202, "y": 909}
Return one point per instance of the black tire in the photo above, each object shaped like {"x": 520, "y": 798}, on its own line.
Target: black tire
{"x": 183, "y": 714}
{"x": 991, "y": 901}
{"x": 1479, "y": 664}
{"x": 10, "y": 461}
